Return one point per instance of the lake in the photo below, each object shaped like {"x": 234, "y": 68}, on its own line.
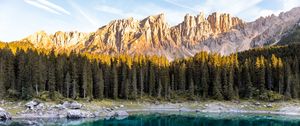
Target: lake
{"x": 173, "y": 119}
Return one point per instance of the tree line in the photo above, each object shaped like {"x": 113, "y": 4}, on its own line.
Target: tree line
{"x": 268, "y": 74}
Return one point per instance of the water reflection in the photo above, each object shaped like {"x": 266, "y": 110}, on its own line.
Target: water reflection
{"x": 176, "y": 119}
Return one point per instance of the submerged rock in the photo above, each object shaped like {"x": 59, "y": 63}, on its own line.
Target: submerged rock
{"x": 183, "y": 109}
{"x": 110, "y": 114}
{"x": 76, "y": 114}
{"x": 4, "y": 115}
{"x": 121, "y": 113}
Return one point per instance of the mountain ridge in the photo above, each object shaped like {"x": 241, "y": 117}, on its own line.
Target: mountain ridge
{"x": 218, "y": 32}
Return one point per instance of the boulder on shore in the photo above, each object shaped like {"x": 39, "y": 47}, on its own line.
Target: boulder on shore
{"x": 4, "y": 115}
{"x": 32, "y": 104}
{"x": 72, "y": 105}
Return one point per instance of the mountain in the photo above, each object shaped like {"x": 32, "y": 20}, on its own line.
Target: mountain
{"x": 291, "y": 37}
{"x": 218, "y": 32}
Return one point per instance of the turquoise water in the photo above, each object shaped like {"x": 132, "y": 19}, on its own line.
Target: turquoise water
{"x": 177, "y": 119}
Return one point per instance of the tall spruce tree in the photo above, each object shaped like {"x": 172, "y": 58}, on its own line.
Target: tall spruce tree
{"x": 288, "y": 81}
{"x": 216, "y": 89}
{"x": 51, "y": 75}
{"x": 114, "y": 81}
{"x": 204, "y": 80}
{"x": 133, "y": 84}
{"x": 67, "y": 85}
{"x": 248, "y": 91}
{"x": 151, "y": 81}
{"x": 260, "y": 73}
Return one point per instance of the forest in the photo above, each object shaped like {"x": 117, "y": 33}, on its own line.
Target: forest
{"x": 270, "y": 73}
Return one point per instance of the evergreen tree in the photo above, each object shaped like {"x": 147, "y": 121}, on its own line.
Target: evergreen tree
{"x": 141, "y": 82}
{"x": 87, "y": 81}
{"x": 133, "y": 84}
{"x": 216, "y": 83}
{"x": 51, "y": 75}
{"x": 98, "y": 82}
{"x": 181, "y": 77}
{"x": 230, "y": 83}
{"x": 260, "y": 72}
{"x": 74, "y": 78}
{"x": 288, "y": 81}
{"x": 124, "y": 86}
{"x": 59, "y": 73}
{"x": 2, "y": 80}
{"x": 204, "y": 82}
{"x": 295, "y": 80}
{"x": 151, "y": 82}
{"x": 280, "y": 76}
{"x": 247, "y": 81}
{"x": 114, "y": 81}
{"x": 10, "y": 79}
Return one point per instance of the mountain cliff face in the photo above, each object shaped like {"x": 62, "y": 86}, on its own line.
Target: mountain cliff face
{"x": 217, "y": 32}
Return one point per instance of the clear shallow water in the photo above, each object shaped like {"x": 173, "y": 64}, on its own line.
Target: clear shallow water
{"x": 175, "y": 119}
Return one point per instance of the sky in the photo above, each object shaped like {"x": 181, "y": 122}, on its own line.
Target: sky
{"x": 20, "y": 18}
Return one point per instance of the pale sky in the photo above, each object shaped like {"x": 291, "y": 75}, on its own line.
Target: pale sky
{"x": 20, "y": 18}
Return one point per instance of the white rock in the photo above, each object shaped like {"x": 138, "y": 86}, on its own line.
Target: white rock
{"x": 110, "y": 114}
{"x": 76, "y": 114}
{"x": 121, "y": 113}
{"x": 31, "y": 104}
{"x": 72, "y": 105}
{"x": 4, "y": 115}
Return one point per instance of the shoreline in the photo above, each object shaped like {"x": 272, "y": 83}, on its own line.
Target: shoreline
{"x": 18, "y": 110}
{"x": 137, "y": 111}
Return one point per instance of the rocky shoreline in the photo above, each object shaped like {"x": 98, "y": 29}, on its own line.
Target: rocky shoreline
{"x": 77, "y": 110}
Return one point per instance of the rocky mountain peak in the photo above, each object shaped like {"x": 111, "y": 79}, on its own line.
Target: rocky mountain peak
{"x": 218, "y": 32}
{"x": 223, "y": 22}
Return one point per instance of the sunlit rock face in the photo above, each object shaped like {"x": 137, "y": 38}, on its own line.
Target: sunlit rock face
{"x": 218, "y": 32}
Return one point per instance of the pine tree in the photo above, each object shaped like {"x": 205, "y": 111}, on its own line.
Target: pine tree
{"x": 2, "y": 79}
{"x": 165, "y": 83}
{"x": 74, "y": 78}
{"x": 67, "y": 85}
{"x": 98, "y": 82}
{"x": 124, "y": 86}
{"x": 204, "y": 80}
{"x": 216, "y": 90}
{"x": 133, "y": 84}
{"x": 51, "y": 75}
{"x": 181, "y": 77}
{"x": 23, "y": 76}
{"x": 151, "y": 83}
{"x": 141, "y": 82}
{"x": 191, "y": 87}
{"x": 295, "y": 80}
{"x": 87, "y": 81}
{"x": 269, "y": 77}
{"x": 288, "y": 80}
{"x": 114, "y": 81}
{"x": 247, "y": 80}
{"x": 59, "y": 73}
{"x": 224, "y": 82}
{"x": 10, "y": 79}
{"x": 280, "y": 76}
{"x": 230, "y": 82}
{"x": 260, "y": 72}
